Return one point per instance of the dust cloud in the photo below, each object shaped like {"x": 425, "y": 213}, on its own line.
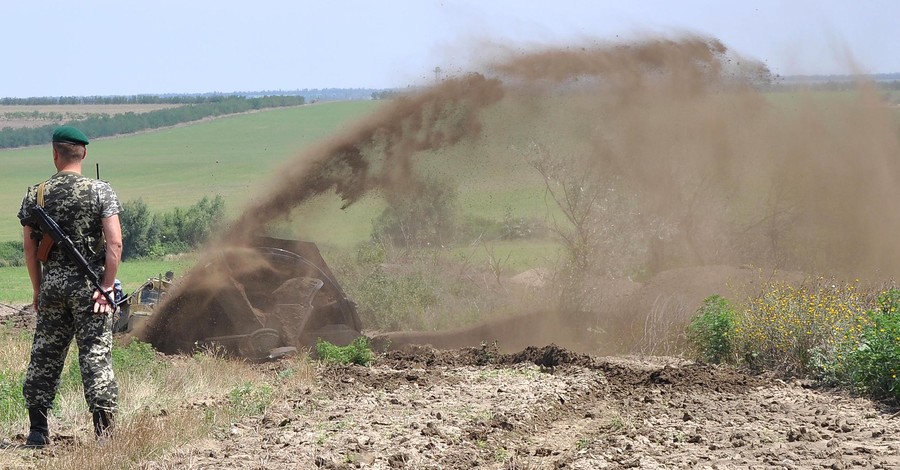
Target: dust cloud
{"x": 723, "y": 173}
{"x": 377, "y": 153}
{"x": 718, "y": 168}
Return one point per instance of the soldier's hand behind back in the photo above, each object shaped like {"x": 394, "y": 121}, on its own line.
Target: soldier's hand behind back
{"x": 101, "y": 305}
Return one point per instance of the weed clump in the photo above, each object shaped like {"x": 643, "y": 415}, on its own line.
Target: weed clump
{"x": 358, "y": 352}
{"x": 250, "y": 398}
{"x": 710, "y": 332}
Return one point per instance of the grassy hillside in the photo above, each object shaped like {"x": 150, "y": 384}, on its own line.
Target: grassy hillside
{"x": 238, "y": 157}
{"x": 231, "y": 156}
{"x": 491, "y": 174}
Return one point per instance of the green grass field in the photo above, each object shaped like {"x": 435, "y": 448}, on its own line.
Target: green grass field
{"x": 232, "y": 156}
{"x": 237, "y": 157}
{"x": 15, "y": 287}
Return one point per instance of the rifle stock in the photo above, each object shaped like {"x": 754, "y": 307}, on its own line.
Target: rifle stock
{"x": 50, "y": 227}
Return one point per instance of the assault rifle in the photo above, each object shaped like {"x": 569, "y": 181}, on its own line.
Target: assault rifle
{"x": 50, "y": 227}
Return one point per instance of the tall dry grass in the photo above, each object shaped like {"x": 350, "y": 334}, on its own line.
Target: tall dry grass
{"x": 165, "y": 402}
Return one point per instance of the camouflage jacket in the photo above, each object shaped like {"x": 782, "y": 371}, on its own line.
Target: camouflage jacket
{"x": 77, "y": 204}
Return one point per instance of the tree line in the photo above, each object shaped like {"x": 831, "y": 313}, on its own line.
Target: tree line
{"x": 104, "y": 125}
{"x": 119, "y": 99}
{"x": 144, "y": 234}
{"x": 833, "y": 85}
{"x": 177, "y": 231}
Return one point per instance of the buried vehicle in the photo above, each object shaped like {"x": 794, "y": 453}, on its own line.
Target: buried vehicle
{"x": 259, "y": 301}
{"x": 135, "y": 309}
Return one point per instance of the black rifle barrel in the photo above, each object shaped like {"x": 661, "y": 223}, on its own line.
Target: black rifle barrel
{"x": 56, "y": 232}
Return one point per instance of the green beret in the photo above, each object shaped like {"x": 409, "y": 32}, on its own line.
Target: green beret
{"x": 70, "y": 135}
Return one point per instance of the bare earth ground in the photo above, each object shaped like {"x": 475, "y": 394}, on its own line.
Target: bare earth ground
{"x": 477, "y": 408}
{"x": 546, "y": 408}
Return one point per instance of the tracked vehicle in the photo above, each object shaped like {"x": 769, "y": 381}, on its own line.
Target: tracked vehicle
{"x": 136, "y": 308}
{"x": 257, "y": 302}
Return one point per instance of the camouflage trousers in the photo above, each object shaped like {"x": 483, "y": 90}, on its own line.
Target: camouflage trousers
{"x": 65, "y": 311}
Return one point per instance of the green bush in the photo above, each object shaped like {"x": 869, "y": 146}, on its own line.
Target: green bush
{"x": 709, "y": 333}
{"x": 12, "y": 254}
{"x": 371, "y": 254}
{"x": 12, "y": 403}
{"x": 471, "y": 228}
{"x": 136, "y": 359}
{"x": 392, "y": 288}
{"x": 424, "y": 216}
{"x": 797, "y": 329}
{"x": 889, "y": 301}
{"x": 873, "y": 365}
{"x": 358, "y": 352}
{"x": 177, "y": 231}
{"x": 393, "y": 301}
{"x": 135, "y": 219}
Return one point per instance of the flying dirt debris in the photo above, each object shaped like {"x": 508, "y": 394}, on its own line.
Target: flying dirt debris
{"x": 714, "y": 173}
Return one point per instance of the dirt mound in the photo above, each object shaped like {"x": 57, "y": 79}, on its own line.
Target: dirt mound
{"x": 508, "y": 333}
{"x": 621, "y": 373}
{"x": 422, "y": 356}
{"x": 549, "y": 357}
{"x": 627, "y": 375}
{"x": 630, "y": 317}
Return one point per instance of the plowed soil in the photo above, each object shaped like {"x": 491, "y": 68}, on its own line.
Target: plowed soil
{"x": 550, "y": 408}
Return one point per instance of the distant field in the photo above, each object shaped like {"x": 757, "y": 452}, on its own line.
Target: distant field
{"x": 15, "y": 287}
{"x": 85, "y": 108}
{"x": 238, "y": 157}
{"x": 19, "y": 116}
{"x": 232, "y": 156}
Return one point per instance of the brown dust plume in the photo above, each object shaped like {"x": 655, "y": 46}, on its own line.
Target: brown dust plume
{"x": 671, "y": 153}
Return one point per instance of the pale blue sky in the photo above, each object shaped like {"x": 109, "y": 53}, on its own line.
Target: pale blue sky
{"x": 116, "y": 47}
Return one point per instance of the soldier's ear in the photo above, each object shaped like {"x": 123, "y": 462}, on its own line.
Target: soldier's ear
{"x": 84, "y": 155}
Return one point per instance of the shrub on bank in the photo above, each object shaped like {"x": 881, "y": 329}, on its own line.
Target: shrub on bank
{"x": 177, "y": 231}
{"x": 836, "y": 333}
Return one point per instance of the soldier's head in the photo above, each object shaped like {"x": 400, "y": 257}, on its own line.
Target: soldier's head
{"x": 69, "y": 144}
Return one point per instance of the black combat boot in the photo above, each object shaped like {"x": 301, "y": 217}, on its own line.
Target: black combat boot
{"x": 39, "y": 432}
{"x": 103, "y": 424}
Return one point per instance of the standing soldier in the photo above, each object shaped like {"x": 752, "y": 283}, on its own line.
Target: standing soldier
{"x": 66, "y": 302}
